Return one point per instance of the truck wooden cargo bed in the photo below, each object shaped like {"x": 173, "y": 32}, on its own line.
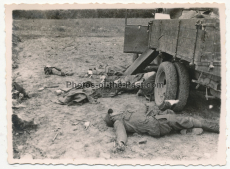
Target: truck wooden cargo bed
{"x": 196, "y": 41}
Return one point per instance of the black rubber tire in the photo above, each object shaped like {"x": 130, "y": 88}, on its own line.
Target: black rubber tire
{"x": 183, "y": 86}
{"x": 167, "y": 75}
{"x": 135, "y": 56}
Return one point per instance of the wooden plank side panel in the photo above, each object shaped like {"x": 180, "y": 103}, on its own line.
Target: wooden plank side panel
{"x": 208, "y": 42}
{"x": 212, "y": 24}
{"x": 187, "y": 33}
{"x": 168, "y": 44}
{"x": 211, "y": 47}
{"x": 170, "y": 28}
{"x": 207, "y": 52}
{"x": 212, "y": 35}
{"x": 185, "y": 53}
{"x": 155, "y": 34}
{"x": 167, "y": 24}
{"x": 170, "y": 32}
{"x": 186, "y": 43}
{"x": 200, "y": 45}
{"x": 185, "y": 48}
{"x": 164, "y": 35}
{"x": 136, "y": 39}
{"x": 168, "y": 39}
{"x": 188, "y": 24}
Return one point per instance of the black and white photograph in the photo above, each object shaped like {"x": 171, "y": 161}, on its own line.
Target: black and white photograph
{"x": 141, "y": 85}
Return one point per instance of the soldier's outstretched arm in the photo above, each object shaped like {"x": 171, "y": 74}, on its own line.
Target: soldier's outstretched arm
{"x": 120, "y": 133}
{"x": 57, "y": 68}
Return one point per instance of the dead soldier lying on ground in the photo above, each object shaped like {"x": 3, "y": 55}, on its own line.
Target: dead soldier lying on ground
{"x": 139, "y": 119}
{"x": 51, "y": 70}
{"x": 143, "y": 82}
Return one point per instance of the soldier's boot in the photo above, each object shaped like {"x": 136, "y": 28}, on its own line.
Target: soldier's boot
{"x": 167, "y": 104}
{"x": 210, "y": 126}
{"x": 193, "y": 131}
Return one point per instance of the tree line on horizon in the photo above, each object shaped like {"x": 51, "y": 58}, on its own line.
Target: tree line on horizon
{"x": 82, "y": 13}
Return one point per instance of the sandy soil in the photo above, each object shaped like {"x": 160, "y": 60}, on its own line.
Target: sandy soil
{"x": 77, "y": 54}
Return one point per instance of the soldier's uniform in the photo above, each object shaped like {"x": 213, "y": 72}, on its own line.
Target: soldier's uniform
{"x": 155, "y": 124}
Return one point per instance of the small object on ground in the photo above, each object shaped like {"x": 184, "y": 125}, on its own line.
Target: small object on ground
{"x": 14, "y": 66}
{"x": 14, "y": 102}
{"x": 42, "y": 88}
{"x": 143, "y": 141}
{"x": 90, "y": 73}
{"x": 55, "y": 136}
{"x": 210, "y": 106}
{"x": 21, "y": 124}
{"x": 193, "y": 131}
{"x": 67, "y": 73}
{"x": 103, "y": 78}
{"x": 119, "y": 93}
{"x": 77, "y": 97}
{"x": 66, "y": 89}
{"x": 52, "y": 86}
{"x": 172, "y": 102}
{"x": 20, "y": 89}
{"x": 80, "y": 120}
{"x": 166, "y": 104}
{"x": 15, "y": 94}
{"x": 18, "y": 106}
{"x": 51, "y": 70}
{"x": 74, "y": 124}
{"x": 120, "y": 146}
{"x": 86, "y": 124}
{"x": 113, "y": 94}
{"x": 58, "y": 92}
{"x": 32, "y": 94}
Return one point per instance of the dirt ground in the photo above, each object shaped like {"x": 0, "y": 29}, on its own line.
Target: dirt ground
{"x": 79, "y": 53}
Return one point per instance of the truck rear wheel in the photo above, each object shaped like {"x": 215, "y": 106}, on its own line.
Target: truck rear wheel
{"x": 166, "y": 84}
{"x": 183, "y": 86}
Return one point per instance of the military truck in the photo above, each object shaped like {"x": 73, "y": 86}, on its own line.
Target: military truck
{"x": 186, "y": 50}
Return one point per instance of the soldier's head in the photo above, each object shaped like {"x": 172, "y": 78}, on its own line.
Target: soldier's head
{"x": 107, "y": 119}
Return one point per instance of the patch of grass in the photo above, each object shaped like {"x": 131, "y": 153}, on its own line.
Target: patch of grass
{"x": 90, "y": 27}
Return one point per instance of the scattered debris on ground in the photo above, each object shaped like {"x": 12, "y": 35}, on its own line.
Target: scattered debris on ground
{"x": 143, "y": 141}
{"x": 21, "y": 124}
{"x": 51, "y": 70}
{"x": 82, "y": 128}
